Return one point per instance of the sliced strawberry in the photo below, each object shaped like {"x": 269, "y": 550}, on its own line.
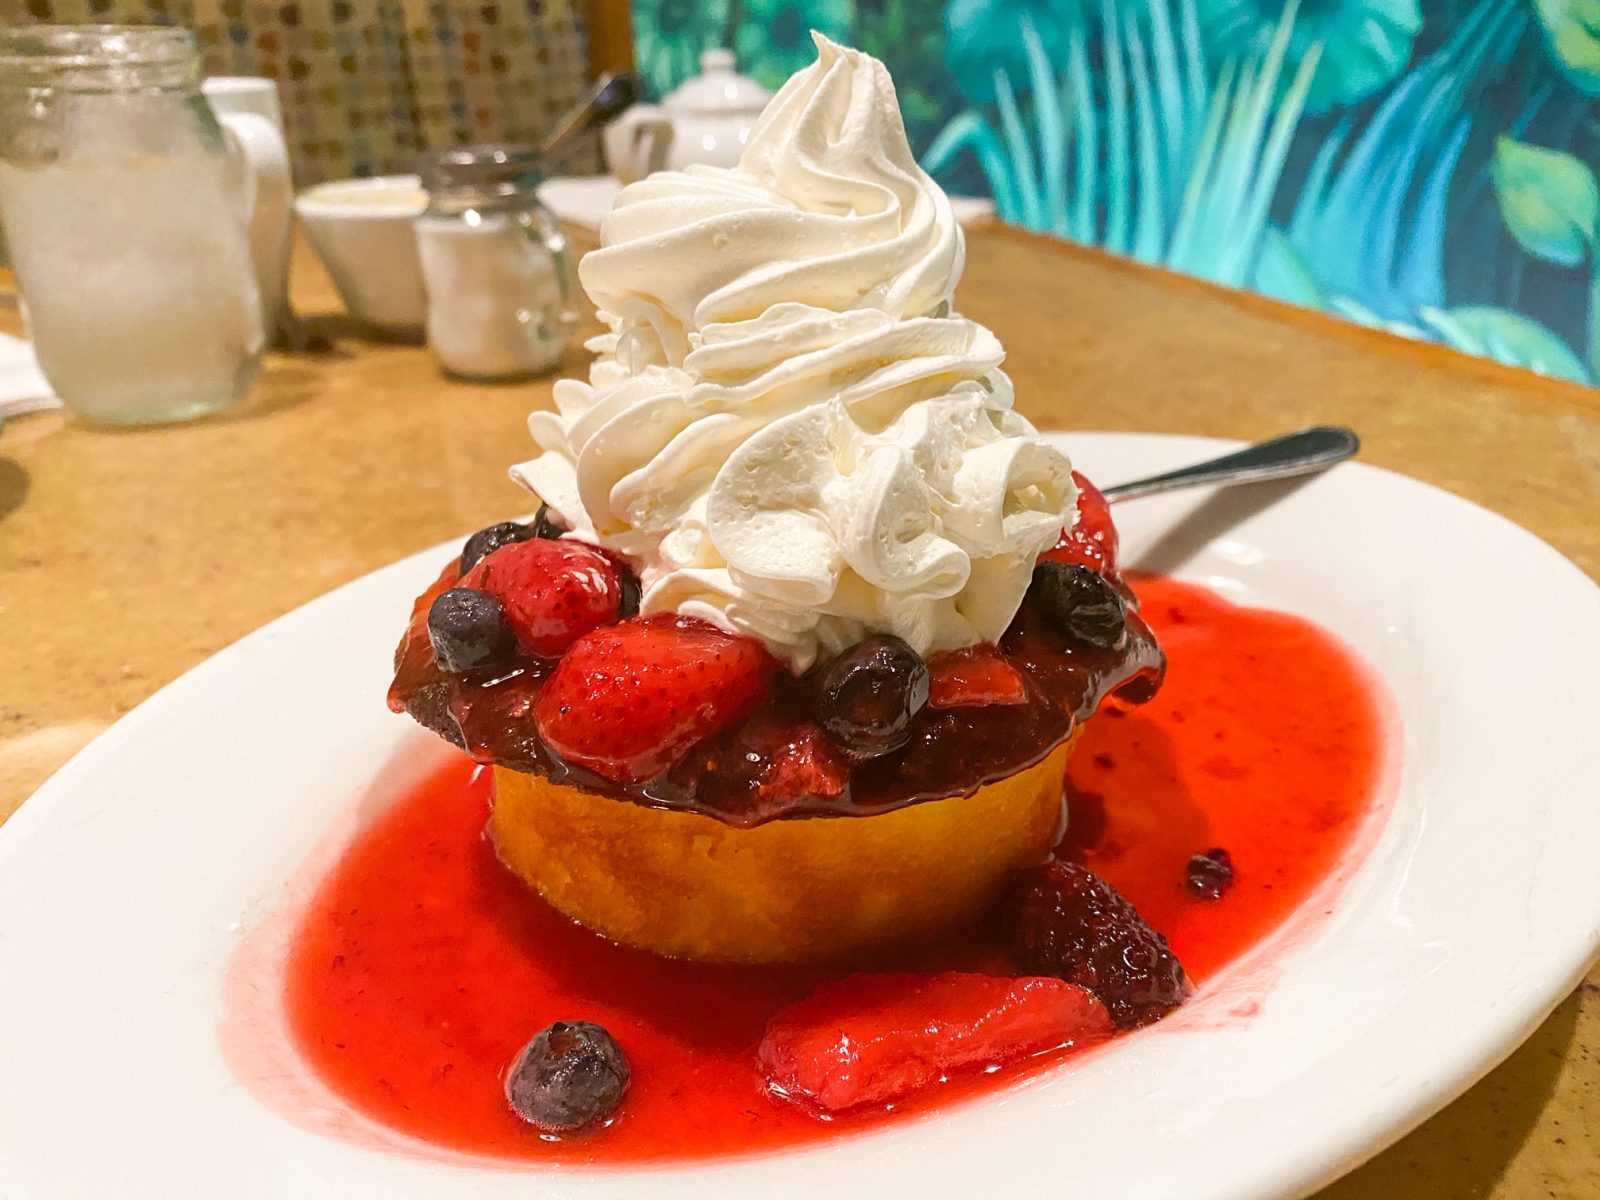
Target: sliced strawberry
{"x": 764, "y": 767}
{"x": 974, "y": 677}
{"x": 806, "y": 763}
{"x": 627, "y": 700}
{"x": 1092, "y": 540}
{"x": 553, "y": 592}
{"x": 875, "y": 1039}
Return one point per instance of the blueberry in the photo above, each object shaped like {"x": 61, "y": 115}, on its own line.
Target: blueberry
{"x": 545, "y": 525}
{"x": 468, "y": 629}
{"x": 486, "y": 541}
{"x": 628, "y": 601}
{"x": 1082, "y": 603}
{"x": 865, "y": 698}
{"x": 1210, "y": 874}
{"x": 570, "y": 1075}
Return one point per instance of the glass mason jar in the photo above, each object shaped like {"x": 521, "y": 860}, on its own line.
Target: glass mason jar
{"x": 126, "y": 217}
{"x": 502, "y": 292}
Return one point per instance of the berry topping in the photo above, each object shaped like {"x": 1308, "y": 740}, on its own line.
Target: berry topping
{"x": 1080, "y": 602}
{"x": 468, "y": 630}
{"x": 553, "y": 592}
{"x": 865, "y": 697}
{"x": 1210, "y": 874}
{"x": 1064, "y": 920}
{"x": 627, "y": 700}
{"x": 487, "y": 541}
{"x": 1092, "y": 540}
{"x": 570, "y": 1075}
{"x": 875, "y": 1039}
{"x": 973, "y": 678}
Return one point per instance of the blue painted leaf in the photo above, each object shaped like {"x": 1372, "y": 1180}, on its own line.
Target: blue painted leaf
{"x": 1549, "y": 199}
{"x": 1507, "y": 337}
{"x": 773, "y": 39}
{"x": 1572, "y": 32}
{"x": 1360, "y": 221}
{"x": 668, "y": 38}
{"x": 1282, "y": 274}
{"x": 985, "y": 36}
{"x": 1352, "y": 309}
{"x": 1365, "y": 44}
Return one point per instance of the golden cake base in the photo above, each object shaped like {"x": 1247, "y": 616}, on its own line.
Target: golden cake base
{"x": 814, "y": 889}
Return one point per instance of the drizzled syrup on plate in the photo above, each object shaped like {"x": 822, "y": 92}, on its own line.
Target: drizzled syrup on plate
{"x": 421, "y": 966}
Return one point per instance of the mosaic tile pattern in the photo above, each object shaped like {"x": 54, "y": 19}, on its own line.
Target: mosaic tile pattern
{"x": 369, "y": 85}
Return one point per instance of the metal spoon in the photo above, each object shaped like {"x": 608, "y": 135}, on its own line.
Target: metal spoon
{"x": 1302, "y": 453}
{"x": 610, "y": 95}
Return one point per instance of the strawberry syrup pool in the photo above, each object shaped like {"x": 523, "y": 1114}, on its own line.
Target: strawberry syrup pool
{"x": 421, "y": 966}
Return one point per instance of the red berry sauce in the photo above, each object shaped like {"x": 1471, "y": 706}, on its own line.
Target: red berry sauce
{"x": 420, "y": 966}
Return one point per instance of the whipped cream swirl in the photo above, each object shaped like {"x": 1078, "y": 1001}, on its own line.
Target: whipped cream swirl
{"x": 787, "y": 429}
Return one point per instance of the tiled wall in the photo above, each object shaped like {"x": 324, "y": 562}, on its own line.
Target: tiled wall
{"x": 367, "y": 85}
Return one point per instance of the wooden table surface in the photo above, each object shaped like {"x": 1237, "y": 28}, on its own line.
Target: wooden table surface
{"x": 128, "y": 557}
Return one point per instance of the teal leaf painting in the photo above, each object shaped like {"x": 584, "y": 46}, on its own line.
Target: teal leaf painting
{"x": 1550, "y": 201}
{"x": 773, "y": 38}
{"x": 1507, "y": 337}
{"x": 669, "y": 35}
{"x": 1365, "y": 44}
{"x": 1282, "y": 274}
{"x": 985, "y": 36}
{"x": 1572, "y": 32}
{"x": 1430, "y": 168}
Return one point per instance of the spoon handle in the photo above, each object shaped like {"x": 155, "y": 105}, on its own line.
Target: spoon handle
{"x": 1301, "y": 453}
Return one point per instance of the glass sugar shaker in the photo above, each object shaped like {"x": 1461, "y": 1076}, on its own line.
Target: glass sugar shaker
{"x": 502, "y": 291}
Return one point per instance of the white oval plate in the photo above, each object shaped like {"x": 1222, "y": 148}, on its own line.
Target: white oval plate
{"x": 128, "y": 881}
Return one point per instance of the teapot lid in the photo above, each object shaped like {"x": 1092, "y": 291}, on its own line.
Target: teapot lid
{"x": 717, "y": 89}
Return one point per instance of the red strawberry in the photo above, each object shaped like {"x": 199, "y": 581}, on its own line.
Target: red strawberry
{"x": 553, "y": 592}
{"x": 875, "y": 1039}
{"x": 627, "y": 700}
{"x": 805, "y": 763}
{"x": 974, "y": 677}
{"x": 1092, "y": 540}
{"x": 764, "y": 767}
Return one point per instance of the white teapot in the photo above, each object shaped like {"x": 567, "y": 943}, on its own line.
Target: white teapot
{"x": 706, "y": 119}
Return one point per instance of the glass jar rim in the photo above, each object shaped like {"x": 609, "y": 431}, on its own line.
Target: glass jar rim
{"x": 80, "y": 55}
{"x": 484, "y": 165}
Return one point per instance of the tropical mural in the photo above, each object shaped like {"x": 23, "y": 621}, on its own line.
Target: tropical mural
{"x": 1427, "y": 167}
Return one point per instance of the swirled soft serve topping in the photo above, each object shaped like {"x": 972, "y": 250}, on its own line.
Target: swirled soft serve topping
{"x": 787, "y": 430}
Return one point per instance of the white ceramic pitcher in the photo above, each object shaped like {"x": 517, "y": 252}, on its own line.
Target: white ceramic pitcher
{"x": 707, "y": 119}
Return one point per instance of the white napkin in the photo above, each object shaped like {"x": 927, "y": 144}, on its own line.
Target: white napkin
{"x": 580, "y": 200}
{"x": 23, "y": 387}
